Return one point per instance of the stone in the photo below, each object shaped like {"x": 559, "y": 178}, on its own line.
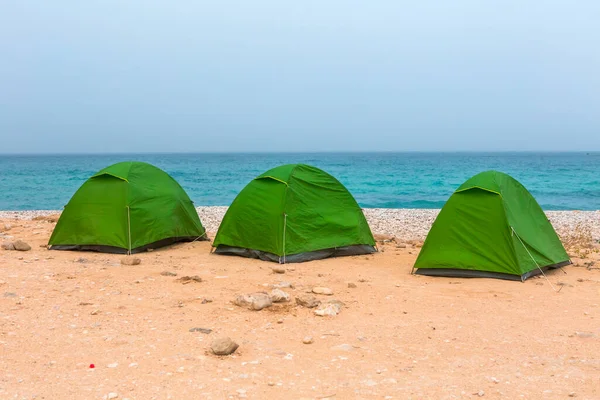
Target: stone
{"x": 201, "y": 330}
{"x": 401, "y": 246}
{"x": 384, "y": 238}
{"x": 187, "y": 279}
{"x": 223, "y": 346}
{"x": 481, "y": 393}
{"x": 279, "y": 296}
{"x": 283, "y": 285}
{"x": 168, "y": 273}
{"x": 278, "y": 270}
{"x": 322, "y": 290}
{"x": 112, "y": 395}
{"x": 352, "y": 285}
{"x": 8, "y": 246}
{"x": 329, "y": 309}
{"x": 253, "y": 301}
{"x": 307, "y": 340}
{"x": 21, "y": 246}
{"x": 307, "y": 301}
{"x": 131, "y": 260}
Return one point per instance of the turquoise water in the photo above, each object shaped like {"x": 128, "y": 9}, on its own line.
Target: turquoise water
{"x": 559, "y": 181}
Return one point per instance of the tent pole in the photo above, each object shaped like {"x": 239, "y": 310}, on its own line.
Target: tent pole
{"x": 129, "y": 230}
{"x": 284, "y": 228}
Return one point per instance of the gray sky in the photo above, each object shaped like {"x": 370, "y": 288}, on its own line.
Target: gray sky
{"x": 272, "y": 75}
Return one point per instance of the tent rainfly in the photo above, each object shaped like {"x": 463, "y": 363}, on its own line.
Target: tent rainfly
{"x": 491, "y": 227}
{"x": 294, "y": 213}
{"x": 127, "y": 207}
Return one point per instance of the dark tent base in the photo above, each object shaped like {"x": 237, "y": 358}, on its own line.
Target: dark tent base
{"x": 467, "y": 273}
{"x": 119, "y": 250}
{"x": 354, "y": 250}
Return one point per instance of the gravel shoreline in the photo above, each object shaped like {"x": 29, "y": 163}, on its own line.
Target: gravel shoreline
{"x": 404, "y": 223}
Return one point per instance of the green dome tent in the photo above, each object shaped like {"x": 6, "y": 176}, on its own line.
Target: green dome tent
{"x": 491, "y": 227}
{"x": 294, "y": 213}
{"x": 127, "y": 207}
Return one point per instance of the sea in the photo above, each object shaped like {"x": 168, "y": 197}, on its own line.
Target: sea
{"x": 559, "y": 181}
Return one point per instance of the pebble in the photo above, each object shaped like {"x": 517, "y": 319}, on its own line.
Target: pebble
{"x": 223, "y": 346}
{"x": 383, "y": 238}
{"x": 307, "y": 340}
{"x": 131, "y": 260}
{"x": 112, "y": 395}
{"x": 307, "y": 301}
{"x": 168, "y": 273}
{"x": 278, "y": 270}
{"x": 8, "y": 246}
{"x": 322, "y": 290}
{"x": 280, "y": 321}
{"x": 279, "y": 296}
{"x": 187, "y": 279}
{"x": 352, "y": 285}
{"x": 253, "y": 301}
{"x": 481, "y": 393}
{"x": 201, "y": 330}
{"x": 329, "y": 309}
{"x": 283, "y": 285}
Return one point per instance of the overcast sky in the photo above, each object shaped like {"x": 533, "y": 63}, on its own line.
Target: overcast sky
{"x": 273, "y": 75}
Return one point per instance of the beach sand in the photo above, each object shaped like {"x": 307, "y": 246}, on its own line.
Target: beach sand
{"x": 399, "y": 336}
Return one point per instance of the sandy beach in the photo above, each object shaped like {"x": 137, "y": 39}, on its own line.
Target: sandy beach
{"x": 398, "y": 336}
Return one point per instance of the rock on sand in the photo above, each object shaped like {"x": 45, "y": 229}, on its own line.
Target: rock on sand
{"x": 329, "y": 309}
{"x": 131, "y": 260}
{"x": 307, "y": 301}
{"x": 253, "y": 301}
{"x": 279, "y": 296}
{"x": 322, "y": 290}
{"x": 223, "y": 346}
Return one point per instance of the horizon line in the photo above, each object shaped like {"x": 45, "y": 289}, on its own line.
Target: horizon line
{"x": 309, "y": 152}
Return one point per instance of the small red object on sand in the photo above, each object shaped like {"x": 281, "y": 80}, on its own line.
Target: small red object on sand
{"x": 92, "y": 366}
